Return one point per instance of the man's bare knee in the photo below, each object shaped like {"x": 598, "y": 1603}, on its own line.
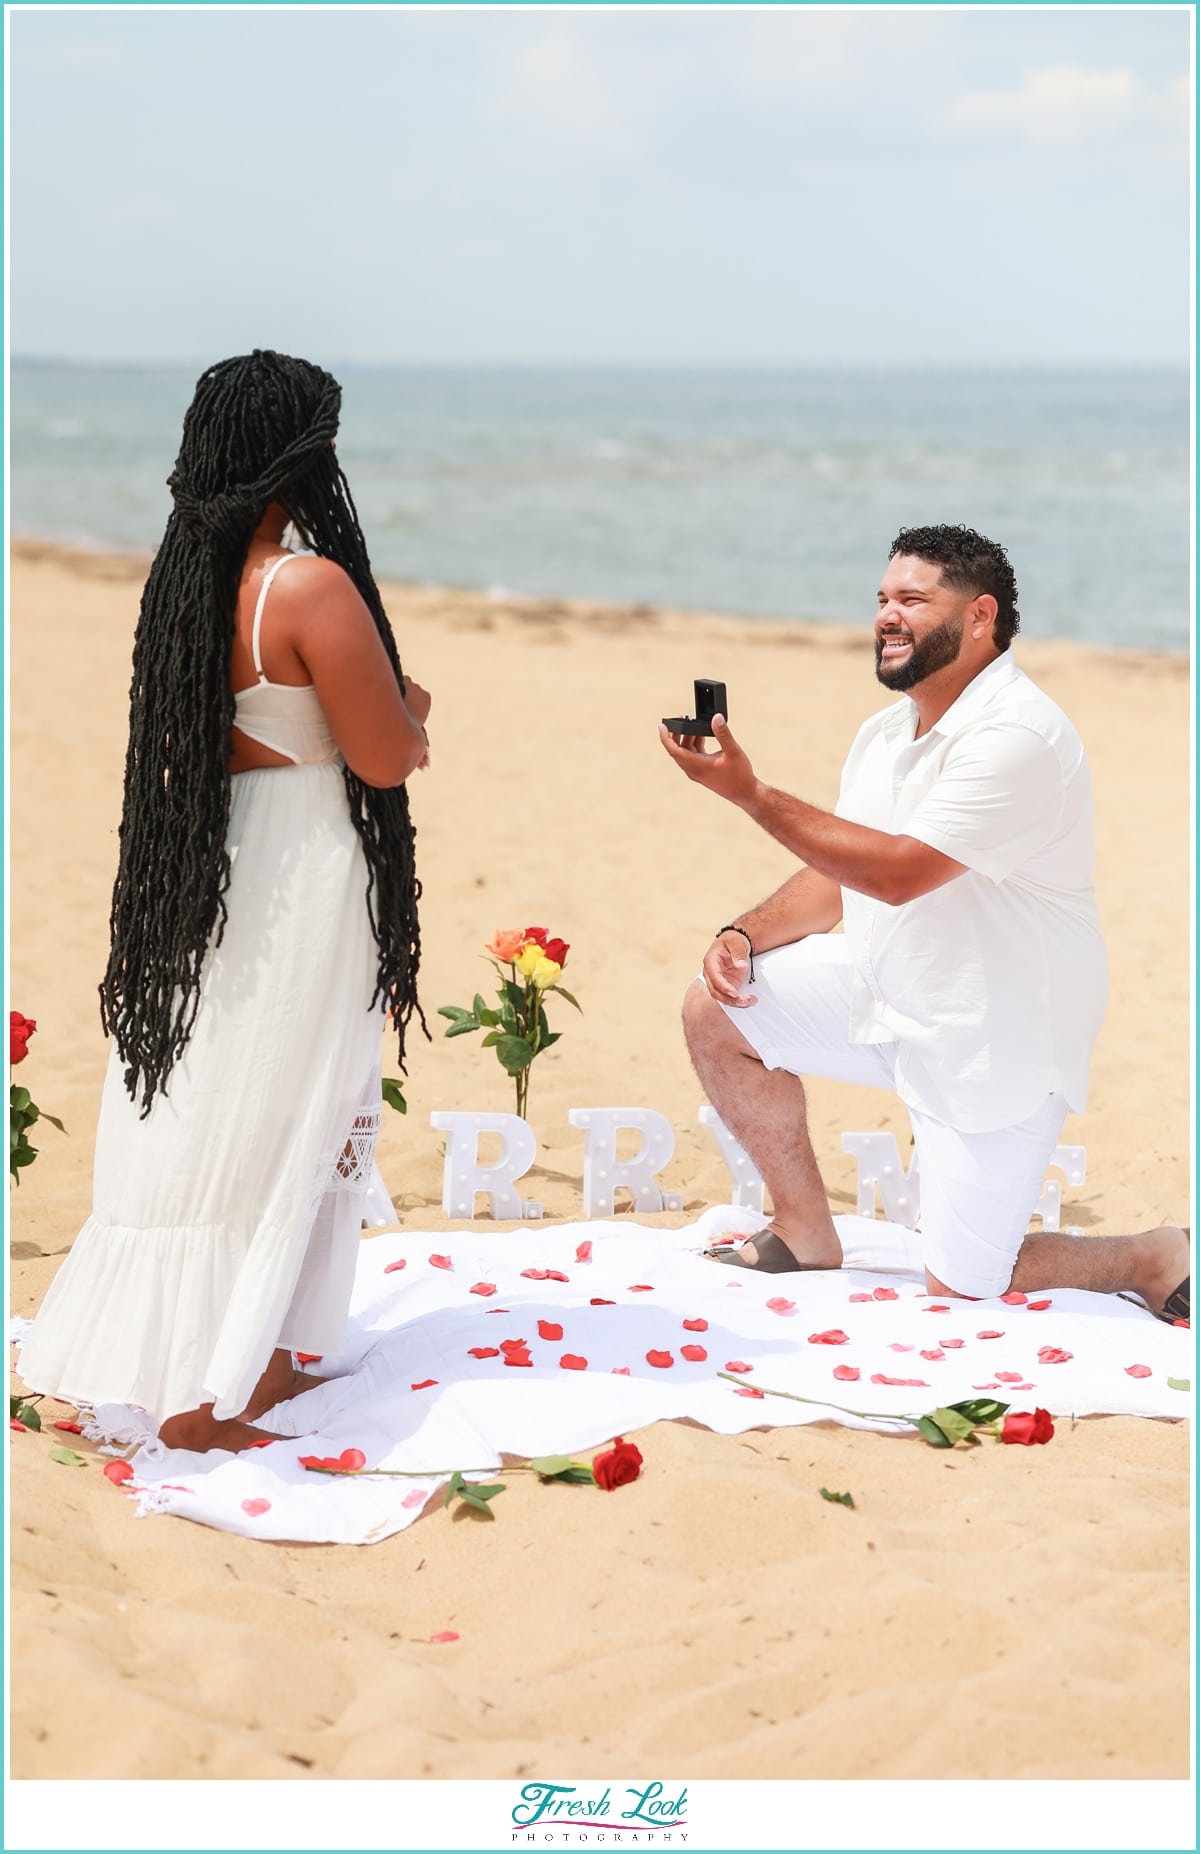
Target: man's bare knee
{"x": 934, "y": 1286}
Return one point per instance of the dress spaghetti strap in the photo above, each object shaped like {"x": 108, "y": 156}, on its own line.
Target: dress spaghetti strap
{"x": 255, "y": 636}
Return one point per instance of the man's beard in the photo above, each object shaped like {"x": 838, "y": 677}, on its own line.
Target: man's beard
{"x": 933, "y": 652}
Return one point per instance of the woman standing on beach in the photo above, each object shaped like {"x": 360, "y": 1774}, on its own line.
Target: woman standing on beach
{"x": 264, "y": 917}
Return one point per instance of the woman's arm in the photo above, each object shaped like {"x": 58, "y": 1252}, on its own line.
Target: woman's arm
{"x": 320, "y": 614}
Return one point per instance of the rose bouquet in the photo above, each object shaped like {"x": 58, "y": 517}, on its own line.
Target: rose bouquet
{"x": 518, "y": 1031}
{"x": 23, "y": 1111}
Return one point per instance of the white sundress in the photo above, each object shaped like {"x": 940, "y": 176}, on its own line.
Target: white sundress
{"x": 226, "y": 1223}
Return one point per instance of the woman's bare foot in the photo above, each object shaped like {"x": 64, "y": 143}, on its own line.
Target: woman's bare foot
{"x": 199, "y": 1430}
{"x": 279, "y": 1382}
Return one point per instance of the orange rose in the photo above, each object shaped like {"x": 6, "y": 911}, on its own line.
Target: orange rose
{"x": 505, "y": 944}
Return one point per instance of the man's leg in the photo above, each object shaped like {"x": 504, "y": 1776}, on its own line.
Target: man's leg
{"x": 765, "y": 1111}
{"x": 1151, "y": 1264}
{"x": 978, "y": 1191}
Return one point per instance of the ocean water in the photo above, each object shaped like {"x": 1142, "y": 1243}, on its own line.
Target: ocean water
{"x": 770, "y": 493}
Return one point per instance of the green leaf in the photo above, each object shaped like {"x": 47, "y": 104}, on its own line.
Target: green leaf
{"x": 14, "y": 1404}
{"x": 29, "y": 1416}
{"x": 18, "y": 1098}
{"x": 953, "y": 1423}
{"x": 515, "y": 1054}
{"x": 478, "y": 1005}
{"x": 978, "y": 1409}
{"x": 455, "y": 1486}
{"x": 932, "y": 1434}
{"x": 25, "y": 1154}
{"x": 846, "y": 1499}
{"x": 393, "y": 1094}
{"x": 564, "y": 993}
{"x": 68, "y": 1458}
{"x": 1179, "y": 1384}
{"x": 461, "y": 1028}
{"x": 514, "y": 994}
{"x": 478, "y": 1506}
{"x": 552, "y": 1038}
{"x": 54, "y": 1122}
{"x": 489, "y": 1017}
{"x": 578, "y": 1472}
{"x": 550, "y": 1465}
{"x": 32, "y": 1112}
{"x": 456, "y": 1012}
{"x": 491, "y": 1039}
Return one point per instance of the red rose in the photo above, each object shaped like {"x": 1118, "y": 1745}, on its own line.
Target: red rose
{"x": 20, "y": 1029}
{"x": 1027, "y": 1429}
{"x": 537, "y": 935}
{"x": 618, "y": 1465}
{"x": 556, "y": 950}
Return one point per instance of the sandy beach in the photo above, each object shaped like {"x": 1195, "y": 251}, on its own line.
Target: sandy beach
{"x": 1033, "y": 1608}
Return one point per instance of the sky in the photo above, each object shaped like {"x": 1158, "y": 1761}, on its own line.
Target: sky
{"x": 704, "y": 186}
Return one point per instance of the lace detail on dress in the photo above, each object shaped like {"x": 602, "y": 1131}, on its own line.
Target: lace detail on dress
{"x": 353, "y": 1166}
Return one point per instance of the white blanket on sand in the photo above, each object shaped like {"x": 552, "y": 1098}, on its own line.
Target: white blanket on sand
{"x": 625, "y": 1326}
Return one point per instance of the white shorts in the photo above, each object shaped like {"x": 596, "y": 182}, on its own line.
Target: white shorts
{"x": 978, "y": 1190}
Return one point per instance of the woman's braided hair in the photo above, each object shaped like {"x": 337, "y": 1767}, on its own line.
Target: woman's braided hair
{"x": 260, "y": 429}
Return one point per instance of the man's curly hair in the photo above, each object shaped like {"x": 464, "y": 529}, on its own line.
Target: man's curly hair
{"x": 971, "y": 564}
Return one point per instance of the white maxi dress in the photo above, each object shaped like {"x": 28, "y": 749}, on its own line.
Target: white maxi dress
{"x": 226, "y": 1223}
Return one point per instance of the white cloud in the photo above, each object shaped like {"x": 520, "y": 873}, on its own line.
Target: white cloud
{"x": 1065, "y": 104}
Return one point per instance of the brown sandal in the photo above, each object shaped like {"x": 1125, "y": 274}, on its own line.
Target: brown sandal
{"x": 774, "y": 1257}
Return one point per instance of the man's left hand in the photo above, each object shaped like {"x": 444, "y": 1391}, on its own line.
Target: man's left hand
{"x": 726, "y": 771}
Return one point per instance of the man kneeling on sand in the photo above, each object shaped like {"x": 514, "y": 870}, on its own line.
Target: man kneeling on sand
{"x": 970, "y": 977}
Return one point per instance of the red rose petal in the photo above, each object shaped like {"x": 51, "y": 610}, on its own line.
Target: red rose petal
{"x": 518, "y": 1358}
{"x": 985, "y": 1387}
{"x": 484, "y": 1351}
{"x": 547, "y": 1329}
{"x": 1138, "y": 1371}
{"x": 14, "y": 1424}
{"x": 989, "y": 1335}
{"x": 1014, "y": 1300}
{"x": 512, "y": 1345}
{"x": 391, "y": 1269}
{"x": 533, "y": 1274}
{"x": 1053, "y": 1355}
{"x": 553, "y": 1274}
{"x": 747, "y": 1390}
{"x": 425, "y": 1384}
{"x": 737, "y": 1364}
{"x": 847, "y": 1374}
{"x": 417, "y": 1497}
{"x": 71, "y": 1428}
{"x": 314, "y": 1358}
{"x": 722, "y": 1242}
{"x": 117, "y": 1471}
{"x": 446, "y": 1635}
{"x": 834, "y": 1336}
{"x": 661, "y": 1359}
{"x": 255, "y": 1508}
{"x": 584, "y": 1252}
{"x": 602, "y": 1303}
{"x": 859, "y": 1297}
{"x": 777, "y": 1304}
{"x": 938, "y": 1354}
{"x": 640, "y": 1287}
{"x": 571, "y": 1361}
{"x": 352, "y": 1459}
{"x": 1009, "y": 1377}
{"x": 695, "y": 1353}
{"x": 937, "y": 1306}
{"x": 265, "y": 1443}
{"x": 499, "y": 1309}
{"x": 483, "y": 1287}
{"x": 440, "y": 1261}
{"x": 896, "y": 1346}
{"x": 877, "y": 1377}
{"x": 619, "y": 1371}
{"x": 1038, "y": 1306}
{"x": 949, "y": 1344}
{"x": 884, "y": 1294}
{"x": 695, "y": 1326}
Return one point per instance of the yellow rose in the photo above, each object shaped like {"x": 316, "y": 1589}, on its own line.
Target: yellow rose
{"x": 527, "y": 959}
{"x": 546, "y": 973}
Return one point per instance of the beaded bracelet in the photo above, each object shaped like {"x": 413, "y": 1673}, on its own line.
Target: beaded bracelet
{"x": 730, "y": 928}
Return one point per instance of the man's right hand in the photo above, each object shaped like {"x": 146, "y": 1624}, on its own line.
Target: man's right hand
{"x": 726, "y": 967}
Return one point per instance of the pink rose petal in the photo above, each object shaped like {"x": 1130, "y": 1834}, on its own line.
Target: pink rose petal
{"x": 440, "y": 1261}
{"x": 989, "y": 1335}
{"x": 695, "y": 1353}
{"x": 777, "y": 1304}
{"x": 738, "y": 1364}
{"x": 1014, "y": 1300}
{"x": 1009, "y": 1377}
{"x": 884, "y": 1294}
{"x": 1038, "y": 1306}
{"x": 1138, "y": 1371}
{"x": 932, "y": 1355}
{"x": 584, "y": 1252}
{"x": 895, "y": 1346}
{"x": 619, "y": 1371}
{"x": 446, "y": 1635}
{"x": 393, "y": 1267}
{"x": 878, "y": 1377}
{"x": 255, "y": 1508}
{"x": 747, "y": 1390}
{"x": 859, "y": 1297}
{"x": 847, "y": 1374}
{"x": 417, "y": 1497}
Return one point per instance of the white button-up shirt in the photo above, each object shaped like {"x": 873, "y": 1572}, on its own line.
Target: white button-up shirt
{"x": 993, "y": 986}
